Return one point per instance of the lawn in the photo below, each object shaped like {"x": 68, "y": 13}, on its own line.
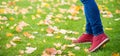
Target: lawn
{"x": 37, "y": 27}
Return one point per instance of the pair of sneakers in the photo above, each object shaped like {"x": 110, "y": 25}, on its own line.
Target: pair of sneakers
{"x": 97, "y": 41}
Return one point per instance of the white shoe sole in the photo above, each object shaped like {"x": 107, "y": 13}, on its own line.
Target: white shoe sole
{"x": 103, "y": 42}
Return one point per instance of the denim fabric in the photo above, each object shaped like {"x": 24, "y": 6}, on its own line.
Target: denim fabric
{"x": 93, "y": 21}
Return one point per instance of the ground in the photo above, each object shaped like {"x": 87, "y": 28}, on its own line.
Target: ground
{"x": 29, "y": 27}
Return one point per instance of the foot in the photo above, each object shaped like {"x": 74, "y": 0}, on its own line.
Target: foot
{"x": 98, "y": 41}
{"x": 84, "y": 38}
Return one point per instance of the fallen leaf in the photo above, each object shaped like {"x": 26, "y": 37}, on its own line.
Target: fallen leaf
{"x": 9, "y": 34}
{"x": 59, "y": 51}
{"x": 77, "y": 48}
{"x": 115, "y": 54}
{"x": 108, "y": 28}
{"x": 11, "y": 18}
{"x": 51, "y": 51}
{"x": 57, "y": 45}
{"x": 16, "y": 39}
{"x": 70, "y": 53}
{"x": 8, "y": 45}
{"x": 30, "y": 50}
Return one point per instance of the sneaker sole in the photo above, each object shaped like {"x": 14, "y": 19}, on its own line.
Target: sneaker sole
{"x": 102, "y": 43}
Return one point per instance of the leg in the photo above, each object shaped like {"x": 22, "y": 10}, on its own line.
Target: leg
{"x": 93, "y": 16}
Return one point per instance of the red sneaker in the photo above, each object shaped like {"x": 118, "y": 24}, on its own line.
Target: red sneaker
{"x": 98, "y": 41}
{"x": 84, "y": 38}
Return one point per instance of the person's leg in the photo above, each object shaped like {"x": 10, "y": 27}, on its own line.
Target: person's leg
{"x": 93, "y": 16}
{"x": 88, "y": 26}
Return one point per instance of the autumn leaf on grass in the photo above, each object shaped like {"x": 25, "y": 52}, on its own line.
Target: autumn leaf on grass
{"x": 16, "y": 39}
{"x": 108, "y": 28}
{"x": 115, "y": 54}
{"x": 86, "y": 50}
{"x": 70, "y": 53}
{"x": 23, "y": 11}
{"x": 11, "y": 19}
{"x": 77, "y": 48}
{"x": 20, "y": 26}
{"x": 49, "y": 51}
{"x": 69, "y": 38}
{"x": 71, "y": 45}
{"x": 18, "y": 29}
{"x": 11, "y": 3}
{"x": 28, "y": 35}
{"x": 107, "y": 14}
{"x": 9, "y": 34}
{"x": 30, "y": 50}
{"x": 13, "y": 43}
{"x": 59, "y": 51}
{"x": 2, "y": 10}
{"x": 57, "y": 45}
{"x": 3, "y": 17}
{"x": 74, "y": 10}
{"x": 49, "y": 30}
{"x": 8, "y": 45}
{"x": 117, "y": 11}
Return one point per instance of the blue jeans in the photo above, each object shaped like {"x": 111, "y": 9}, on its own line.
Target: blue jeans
{"x": 93, "y": 21}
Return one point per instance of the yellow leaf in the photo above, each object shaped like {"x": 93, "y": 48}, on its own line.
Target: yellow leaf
{"x": 115, "y": 54}
{"x": 108, "y": 29}
{"x": 11, "y": 18}
{"x": 57, "y": 36}
{"x": 9, "y": 34}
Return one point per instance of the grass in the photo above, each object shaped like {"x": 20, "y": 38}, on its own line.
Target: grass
{"x": 75, "y": 25}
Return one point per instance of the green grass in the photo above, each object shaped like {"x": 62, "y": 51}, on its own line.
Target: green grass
{"x": 112, "y": 47}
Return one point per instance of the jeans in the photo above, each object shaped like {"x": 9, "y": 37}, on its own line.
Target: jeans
{"x": 92, "y": 14}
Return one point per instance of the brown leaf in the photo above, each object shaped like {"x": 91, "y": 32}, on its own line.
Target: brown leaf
{"x": 49, "y": 30}
{"x": 51, "y": 51}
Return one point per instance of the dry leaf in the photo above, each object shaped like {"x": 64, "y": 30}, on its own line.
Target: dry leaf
{"x": 71, "y": 45}
{"x": 9, "y": 34}
{"x": 11, "y": 18}
{"x": 77, "y": 48}
{"x": 57, "y": 45}
{"x": 70, "y": 53}
{"x": 115, "y": 54}
{"x": 108, "y": 29}
{"x": 49, "y": 30}
{"x": 12, "y": 43}
{"x": 16, "y": 39}
{"x": 8, "y": 45}
{"x": 59, "y": 52}
{"x": 51, "y": 51}
{"x": 30, "y": 50}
